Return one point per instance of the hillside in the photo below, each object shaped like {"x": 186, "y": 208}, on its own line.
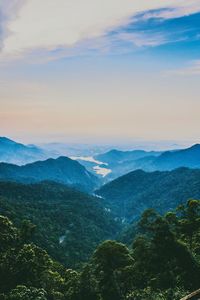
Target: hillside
{"x": 129, "y": 195}
{"x": 62, "y": 170}
{"x": 70, "y": 224}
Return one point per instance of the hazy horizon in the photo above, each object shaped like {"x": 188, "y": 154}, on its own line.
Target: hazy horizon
{"x": 122, "y": 144}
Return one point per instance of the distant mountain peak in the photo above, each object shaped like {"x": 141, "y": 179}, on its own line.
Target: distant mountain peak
{"x": 63, "y": 158}
{"x": 112, "y": 152}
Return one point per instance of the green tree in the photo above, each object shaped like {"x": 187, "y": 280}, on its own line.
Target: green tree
{"x": 31, "y": 263}
{"x": 189, "y": 223}
{"x": 8, "y": 234}
{"x": 110, "y": 260}
{"x": 88, "y": 284}
{"x": 162, "y": 261}
{"x": 27, "y": 231}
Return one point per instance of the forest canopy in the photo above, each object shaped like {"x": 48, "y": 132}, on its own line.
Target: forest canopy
{"x": 163, "y": 262}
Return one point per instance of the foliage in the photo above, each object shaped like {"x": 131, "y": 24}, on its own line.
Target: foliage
{"x": 65, "y": 222}
{"x": 25, "y": 293}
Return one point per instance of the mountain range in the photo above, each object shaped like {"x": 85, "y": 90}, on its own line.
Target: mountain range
{"x": 108, "y": 165}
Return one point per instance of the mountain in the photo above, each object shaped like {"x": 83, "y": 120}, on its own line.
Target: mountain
{"x": 63, "y": 170}
{"x": 122, "y": 162}
{"x": 114, "y": 156}
{"x": 169, "y": 160}
{"x": 129, "y": 195}
{"x": 69, "y": 224}
{"x": 17, "y": 153}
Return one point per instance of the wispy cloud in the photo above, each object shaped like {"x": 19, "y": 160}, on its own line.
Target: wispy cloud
{"x": 182, "y": 9}
{"x": 61, "y": 27}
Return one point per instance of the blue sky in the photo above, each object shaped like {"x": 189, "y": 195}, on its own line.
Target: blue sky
{"x": 100, "y": 70}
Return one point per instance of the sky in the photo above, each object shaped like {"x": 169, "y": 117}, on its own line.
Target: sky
{"x": 100, "y": 70}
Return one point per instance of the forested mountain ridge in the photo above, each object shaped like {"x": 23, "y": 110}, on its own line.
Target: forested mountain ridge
{"x": 63, "y": 170}
{"x": 69, "y": 224}
{"x": 128, "y": 196}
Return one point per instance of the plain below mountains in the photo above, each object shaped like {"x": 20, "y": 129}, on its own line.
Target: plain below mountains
{"x": 130, "y": 195}
{"x": 62, "y": 170}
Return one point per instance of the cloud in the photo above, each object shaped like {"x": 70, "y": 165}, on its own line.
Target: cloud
{"x": 49, "y": 25}
{"x": 8, "y": 12}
